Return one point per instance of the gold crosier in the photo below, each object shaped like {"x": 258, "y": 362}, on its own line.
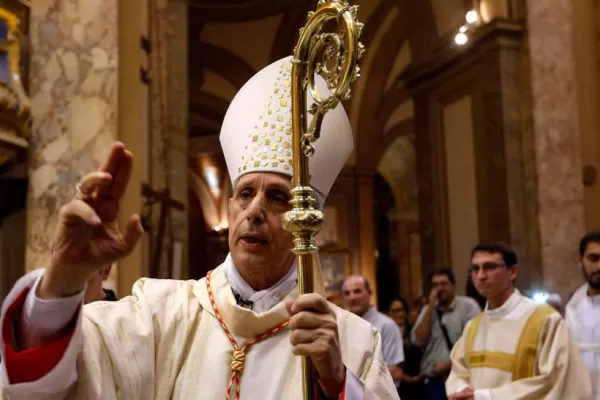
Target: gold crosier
{"x": 335, "y": 56}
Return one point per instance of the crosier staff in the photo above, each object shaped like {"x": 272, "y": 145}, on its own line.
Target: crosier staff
{"x": 314, "y": 53}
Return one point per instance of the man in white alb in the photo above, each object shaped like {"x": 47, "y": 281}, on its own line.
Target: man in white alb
{"x": 234, "y": 334}
{"x": 583, "y": 310}
{"x": 516, "y": 349}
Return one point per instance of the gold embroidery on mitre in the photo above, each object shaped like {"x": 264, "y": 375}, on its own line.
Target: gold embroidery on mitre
{"x": 276, "y": 123}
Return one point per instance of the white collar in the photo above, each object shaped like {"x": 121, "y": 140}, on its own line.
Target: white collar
{"x": 581, "y": 297}
{"x": 509, "y": 305}
{"x": 265, "y": 299}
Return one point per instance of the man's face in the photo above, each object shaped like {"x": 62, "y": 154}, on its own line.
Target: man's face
{"x": 590, "y": 263}
{"x": 444, "y": 287}
{"x": 257, "y": 239}
{"x": 490, "y": 275}
{"x": 356, "y": 295}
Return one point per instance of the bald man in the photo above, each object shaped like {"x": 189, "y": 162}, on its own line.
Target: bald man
{"x": 357, "y": 297}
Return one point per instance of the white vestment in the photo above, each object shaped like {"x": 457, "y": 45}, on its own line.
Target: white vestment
{"x": 164, "y": 342}
{"x": 510, "y": 359}
{"x": 583, "y": 318}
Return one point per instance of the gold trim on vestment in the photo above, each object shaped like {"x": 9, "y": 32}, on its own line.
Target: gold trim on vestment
{"x": 527, "y": 349}
{"x": 523, "y": 363}
{"x": 492, "y": 359}
{"x": 471, "y": 333}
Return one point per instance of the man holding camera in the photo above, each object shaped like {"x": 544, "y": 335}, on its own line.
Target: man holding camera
{"x": 438, "y": 327}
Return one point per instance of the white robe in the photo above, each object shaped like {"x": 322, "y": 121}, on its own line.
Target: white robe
{"x": 583, "y": 318}
{"x": 556, "y": 370}
{"x": 164, "y": 342}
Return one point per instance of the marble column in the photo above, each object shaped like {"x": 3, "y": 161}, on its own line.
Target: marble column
{"x": 177, "y": 64}
{"x": 159, "y": 166}
{"x": 557, "y": 141}
{"x": 73, "y": 90}
{"x": 169, "y": 131}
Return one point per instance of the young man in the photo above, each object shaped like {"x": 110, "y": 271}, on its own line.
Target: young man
{"x": 516, "y": 349}
{"x": 236, "y": 333}
{"x": 438, "y": 327}
{"x": 583, "y": 310}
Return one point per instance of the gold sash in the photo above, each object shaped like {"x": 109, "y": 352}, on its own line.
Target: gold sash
{"x": 522, "y": 364}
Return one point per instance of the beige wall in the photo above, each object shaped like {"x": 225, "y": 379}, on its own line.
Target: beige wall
{"x": 462, "y": 194}
{"x": 132, "y": 128}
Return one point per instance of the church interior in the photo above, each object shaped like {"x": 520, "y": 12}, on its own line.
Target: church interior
{"x": 473, "y": 120}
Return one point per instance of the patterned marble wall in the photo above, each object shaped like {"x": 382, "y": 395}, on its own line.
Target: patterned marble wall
{"x": 73, "y": 88}
{"x": 557, "y": 141}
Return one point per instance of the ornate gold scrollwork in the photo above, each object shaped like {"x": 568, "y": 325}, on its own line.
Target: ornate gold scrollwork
{"x": 335, "y": 56}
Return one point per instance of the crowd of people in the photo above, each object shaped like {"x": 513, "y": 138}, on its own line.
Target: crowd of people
{"x": 452, "y": 344}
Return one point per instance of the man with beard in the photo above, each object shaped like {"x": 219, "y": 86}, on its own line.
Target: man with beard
{"x": 583, "y": 310}
{"x": 516, "y": 349}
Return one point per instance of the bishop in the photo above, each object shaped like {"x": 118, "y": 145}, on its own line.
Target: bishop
{"x": 235, "y": 334}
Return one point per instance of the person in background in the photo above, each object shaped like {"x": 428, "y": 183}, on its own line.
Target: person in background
{"x": 516, "y": 348}
{"x": 583, "y": 309}
{"x": 415, "y": 309}
{"x": 439, "y": 326}
{"x": 357, "y": 297}
{"x": 412, "y": 386}
{"x": 94, "y": 290}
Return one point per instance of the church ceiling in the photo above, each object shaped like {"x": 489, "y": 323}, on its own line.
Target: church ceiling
{"x": 230, "y": 40}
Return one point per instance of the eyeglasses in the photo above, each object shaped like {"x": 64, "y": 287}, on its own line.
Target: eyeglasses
{"x": 486, "y": 267}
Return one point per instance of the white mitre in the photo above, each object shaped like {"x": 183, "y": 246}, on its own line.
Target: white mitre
{"x": 256, "y": 135}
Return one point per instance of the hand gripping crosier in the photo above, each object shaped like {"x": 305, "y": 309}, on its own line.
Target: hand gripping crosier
{"x": 334, "y": 55}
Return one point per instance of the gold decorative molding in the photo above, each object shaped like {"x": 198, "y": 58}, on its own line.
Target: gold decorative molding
{"x": 15, "y": 111}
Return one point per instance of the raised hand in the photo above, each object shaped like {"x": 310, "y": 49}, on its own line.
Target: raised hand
{"x": 87, "y": 235}
{"x": 433, "y": 297}
{"x": 315, "y": 335}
